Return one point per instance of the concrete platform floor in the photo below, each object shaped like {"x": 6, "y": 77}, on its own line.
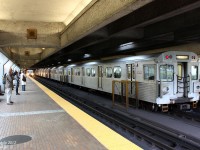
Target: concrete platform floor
{"x": 41, "y": 120}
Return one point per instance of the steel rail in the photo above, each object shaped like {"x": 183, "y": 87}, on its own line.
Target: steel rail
{"x": 128, "y": 123}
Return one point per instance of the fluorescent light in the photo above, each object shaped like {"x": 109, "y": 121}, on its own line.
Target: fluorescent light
{"x": 72, "y": 65}
{"x": 134, "y": 58}
{"x": 91, "y": 63}
{"x": 86, "y": 55}
{"x": 126, "y": 46}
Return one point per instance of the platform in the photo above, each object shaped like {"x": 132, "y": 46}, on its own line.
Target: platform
{"x": 40, "y": 119}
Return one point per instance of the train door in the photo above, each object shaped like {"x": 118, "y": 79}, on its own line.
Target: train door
{"x": 100, "y": 76}
{"x": 129, "y": 68}
{"x": 49, "y": 73}
{"x": 72, "y": 75}
{"x": 131, "y": 76}
{"x": 62, "y": 75}
{"x": 183, "y": 79}
{"x": 83, "y": 76}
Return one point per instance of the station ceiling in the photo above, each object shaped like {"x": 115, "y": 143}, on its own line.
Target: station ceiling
{"x": 154, "y": 25}
{"x": 31, "y": 28}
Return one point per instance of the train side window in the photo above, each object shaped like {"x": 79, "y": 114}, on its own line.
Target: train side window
{"x": 88, "y": 71}
{"x": 117, "y": 72}
{"x": 133, "y": 72}
{"x": 65, "y": 72}
{"x": 194, "y": 72}
{"x": 78, "y": 71}
{"x": 129, "y": 72}
{"x": 93, "y": 73}
{"x": 179, "y": 71}
{"x": 166, "y": 73}
{"x": 149, "y": 72}
{"x": 108, "y": 72}
{"x": 69, "y": 73}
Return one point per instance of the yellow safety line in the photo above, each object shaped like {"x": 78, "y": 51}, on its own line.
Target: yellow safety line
{"x": 106, "y": 136}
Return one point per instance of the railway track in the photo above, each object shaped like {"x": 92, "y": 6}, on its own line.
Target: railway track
{"x": 156, "y": 135}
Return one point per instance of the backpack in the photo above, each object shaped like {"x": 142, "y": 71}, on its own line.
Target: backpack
{"x": 24, "y": 78}
{"x": 4, "y": 79}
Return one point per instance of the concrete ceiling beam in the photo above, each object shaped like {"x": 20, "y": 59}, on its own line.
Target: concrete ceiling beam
{"x": 100, "y": 14}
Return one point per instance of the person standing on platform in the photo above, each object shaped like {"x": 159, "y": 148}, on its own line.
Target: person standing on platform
{"x": 23, "y": 81}
{"x": 16, "y": 77}
{"x": 9, "y": 86}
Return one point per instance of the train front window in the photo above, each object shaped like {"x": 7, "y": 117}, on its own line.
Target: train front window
{"x": 194, "y": 72}
{"x": 149, "y": 72}
{"x": 166, "y": 73}
{"x": 117, "y": 72}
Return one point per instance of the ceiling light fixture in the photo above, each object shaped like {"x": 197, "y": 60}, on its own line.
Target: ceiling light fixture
{"x": 86, "y": 55}
{"x": 126, "y": 46}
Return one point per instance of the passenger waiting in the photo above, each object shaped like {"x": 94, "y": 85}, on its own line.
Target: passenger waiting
{"x": 9, "y": 86}
{"x": 16, "y": 77}
{"x": 23, "y": 81}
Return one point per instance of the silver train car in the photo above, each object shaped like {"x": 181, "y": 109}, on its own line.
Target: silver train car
{"x": 163, "y": 80}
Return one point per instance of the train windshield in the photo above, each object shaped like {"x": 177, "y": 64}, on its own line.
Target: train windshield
{"x": 194, "y": 72}
{"x": 166, "y": 73}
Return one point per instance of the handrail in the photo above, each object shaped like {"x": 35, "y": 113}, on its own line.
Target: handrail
{"x": 185, "y": 82}
{"x": 159, "y": 88}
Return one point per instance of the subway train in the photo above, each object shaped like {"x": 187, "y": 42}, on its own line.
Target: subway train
{"x": 29, "y": 72}
{"x": 161, "y": 81}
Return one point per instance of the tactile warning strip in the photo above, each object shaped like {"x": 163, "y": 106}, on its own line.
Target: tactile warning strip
{"x": 106, "y": 136}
